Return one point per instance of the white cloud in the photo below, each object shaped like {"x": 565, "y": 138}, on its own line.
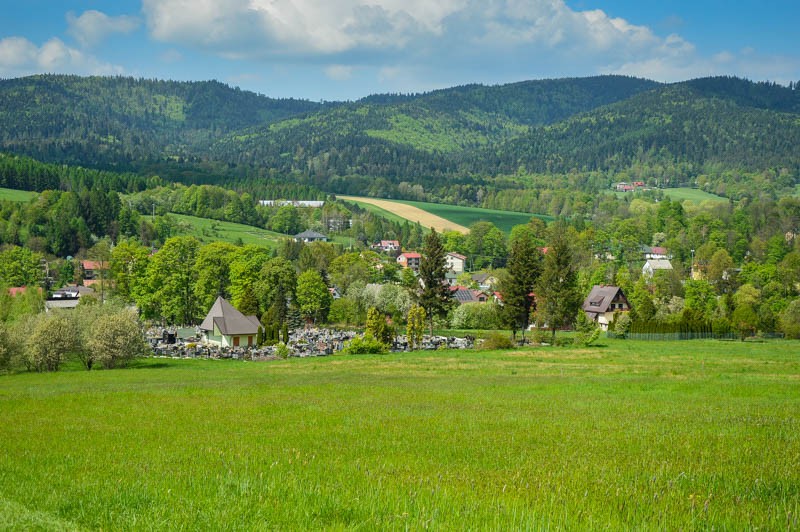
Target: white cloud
{"x": 19, "y": 56}
{"x": 339, "y": 72}
{"x": 437, "y": 42}
{"x": 93, "y": 27}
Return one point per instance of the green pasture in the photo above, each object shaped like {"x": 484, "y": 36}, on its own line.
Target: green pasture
{"x": 466, "y": 216}
{"x": 628, "y": 435}
{"x": 692, "y": 194}
{"x": 10, "y": 194}
{"x": 208, "y": 230}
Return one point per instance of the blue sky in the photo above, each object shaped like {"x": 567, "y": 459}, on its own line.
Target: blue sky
{"x": 347, "y": 49}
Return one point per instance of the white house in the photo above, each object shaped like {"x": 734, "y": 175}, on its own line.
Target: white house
{"x": 227, "y": 327}
{"x": 456, "y": 262}
{"x": 654, "y": 265}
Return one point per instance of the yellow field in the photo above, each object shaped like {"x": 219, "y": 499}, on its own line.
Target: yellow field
{"x": 411, "y": 213}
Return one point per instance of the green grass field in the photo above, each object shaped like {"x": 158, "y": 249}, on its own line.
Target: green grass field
{"x": 692, "y": 194}
{"x": 466, "y": 216}
{"x": 9, "y": 194}
{"x": 630, "y": 435}
{"x": 207, "y": 230}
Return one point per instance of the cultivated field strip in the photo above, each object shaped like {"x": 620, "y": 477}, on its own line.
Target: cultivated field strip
{"x": 411, "y": 213}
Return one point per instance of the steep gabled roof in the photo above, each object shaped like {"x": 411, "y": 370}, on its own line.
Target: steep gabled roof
{"x": 599, "y": 299}
{"x": 229, "y": 320}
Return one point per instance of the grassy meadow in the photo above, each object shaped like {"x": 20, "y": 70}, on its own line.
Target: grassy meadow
{"x": 10, "y": 194}
{"x": 207, "y": 230}
{"x": 692, "y": 194}
{"x": 682, "y": 435}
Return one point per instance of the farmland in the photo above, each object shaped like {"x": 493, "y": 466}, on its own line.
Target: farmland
{"x": 461, "y": 216}
{"x": 680, "y": 435}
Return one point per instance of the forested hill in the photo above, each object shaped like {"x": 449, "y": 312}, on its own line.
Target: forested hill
{"x": 469, "y": 135}
{"x": 122, "y": 122}
{"x": 690, "y": 127}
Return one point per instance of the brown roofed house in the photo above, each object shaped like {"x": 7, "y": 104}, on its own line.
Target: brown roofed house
{"x": 602, "y": 302}
{"x": 227, "y": 327}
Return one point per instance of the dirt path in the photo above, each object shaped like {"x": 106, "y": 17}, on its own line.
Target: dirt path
{"x": 411, "y": 213}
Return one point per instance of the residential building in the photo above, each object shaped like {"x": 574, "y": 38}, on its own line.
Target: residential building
{"x": 602, "y": 302}
{"x": 310, "y": 236}
{"x": 655, "y": 265}
{"x": 410, "y": 260}
{"x": 456, "y": 262}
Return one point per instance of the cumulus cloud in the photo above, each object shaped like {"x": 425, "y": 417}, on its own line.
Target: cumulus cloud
{"x": 19, "y": 56}
{"x": 93, "y": 27}
{"x": 439, "y": 42}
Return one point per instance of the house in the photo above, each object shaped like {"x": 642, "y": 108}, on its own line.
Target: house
{"x": 93, "y": 272}
{"x": 655, "y": 265}
{"x": 485, "y": 281}
{"x": 387, "y": 246}
{"x": 227, "y": 327}
{"x": 310, "y": 236}
{"x": 622, "y": 186}
{"x": 67, "y": 297}
{"x": 655, "y": 252}
{"x": 295, "y": 203}
{"x": 409, "y": 260}
{"x": 462, "y": 294}
{"x": 456, "y": 262}
{"x": 602, "y": 302}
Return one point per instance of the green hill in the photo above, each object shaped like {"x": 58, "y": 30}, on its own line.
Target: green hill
{"x": 727, "y": 135}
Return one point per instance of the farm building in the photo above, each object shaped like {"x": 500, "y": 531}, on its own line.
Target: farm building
{"x": 227, "y": 327}
{"x": 602, "y": 302}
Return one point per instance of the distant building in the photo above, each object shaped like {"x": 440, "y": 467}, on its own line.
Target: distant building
{"x": 602, "y": 302}
{"x": 227, "y": 327}
{"x": 93, "y": 272}
{"x": 456, "y": 262}
{"x": 67, "y": 297}
{"x": 409, "y": 260}
{"x": 655, "y": 252}
{"x": 462, "y": 295}
{"x": 310, "y": 236}
{"x": 387, "y": 246}
{"x": 655, "y": 265}
{"x": 485, "y": 281}
{"x": 295, "y": 203}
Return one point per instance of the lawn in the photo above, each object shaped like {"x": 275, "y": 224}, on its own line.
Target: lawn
{"x": 630, "y": 435}
{"x": 10, "y": 194}
{"x": 207, "y": 230}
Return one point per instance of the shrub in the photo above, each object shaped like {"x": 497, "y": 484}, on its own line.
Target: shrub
{"x": 476, "y": 316}
{"x": 115, "y": 339}
{"x": 52, "y": 337}
{"x": 365, "y": 345}
{"x": 497, "y": 341}
{"x": 282, "y": 350}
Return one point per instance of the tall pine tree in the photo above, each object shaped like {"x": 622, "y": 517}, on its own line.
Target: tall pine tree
{"x": 524, "y": 266}
{"x": 435, "y": 294}
{"x": 558, "y": 298}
